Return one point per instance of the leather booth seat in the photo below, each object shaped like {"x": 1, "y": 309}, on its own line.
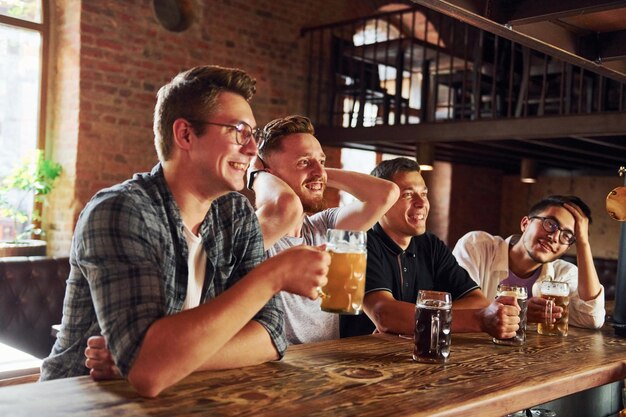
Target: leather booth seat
{"x": 31, "y": 301}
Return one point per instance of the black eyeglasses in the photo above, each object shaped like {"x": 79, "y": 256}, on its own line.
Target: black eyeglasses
{"x": 566, "y": 237}
{"x": 244, "y": 132}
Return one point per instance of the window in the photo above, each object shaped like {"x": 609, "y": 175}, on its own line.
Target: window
{"x": 23, "y": 48}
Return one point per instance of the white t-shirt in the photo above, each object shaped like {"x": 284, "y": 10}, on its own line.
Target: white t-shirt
{"x": 196, "y": 265}
{"x": 305, "y": 322}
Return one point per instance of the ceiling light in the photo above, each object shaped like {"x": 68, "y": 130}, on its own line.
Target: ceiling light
{"x": 425, "y": 155}
{"x": 528, "y": 171}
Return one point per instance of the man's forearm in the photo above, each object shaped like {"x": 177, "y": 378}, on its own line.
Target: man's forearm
{"x": 362, "y": 186}
{"x": 278, "y": 208}
{"x": 475, "y": 299}
{"x": 466, "y": 320}
{"x": 375, "y": 196}
{"x": 396, "y": 317}
{"x": 200, "y": 334}
{"x": 251, "y": 346}
{"x": 588, "y": 282}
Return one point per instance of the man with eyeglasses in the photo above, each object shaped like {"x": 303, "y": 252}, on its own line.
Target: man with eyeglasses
{"x": 552, "y": 226}
{"x": 289, "y": 181}
{"x": 164, "y": 265}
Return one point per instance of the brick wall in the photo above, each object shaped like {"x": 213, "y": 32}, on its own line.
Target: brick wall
{"x": 111, "y": 56}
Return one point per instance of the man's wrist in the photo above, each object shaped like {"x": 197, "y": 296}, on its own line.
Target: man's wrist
{"x": 252, "y": 177}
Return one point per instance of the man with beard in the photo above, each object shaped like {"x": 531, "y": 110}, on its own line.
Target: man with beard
{"x": 289, "y": 179}
{"x": 402, "y": 258}
{"x": 289, "y": 199}
{"x": 551, "y": 227}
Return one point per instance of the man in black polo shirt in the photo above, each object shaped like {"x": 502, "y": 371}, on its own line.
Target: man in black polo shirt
{"x": 402, "y": 258}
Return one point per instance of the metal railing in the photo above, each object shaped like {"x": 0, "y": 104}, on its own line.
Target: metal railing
{"x": 416, "y": 65}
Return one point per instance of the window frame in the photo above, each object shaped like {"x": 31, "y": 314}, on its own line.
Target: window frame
{"x": 44, "y": 29}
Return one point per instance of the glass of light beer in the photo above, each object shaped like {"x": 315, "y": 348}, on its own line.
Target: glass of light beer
{"x": 521, "y": 296}
{"x": 346, "y": 276}
{"x": 433, "y": 322}
{"x": 557, "y": 294}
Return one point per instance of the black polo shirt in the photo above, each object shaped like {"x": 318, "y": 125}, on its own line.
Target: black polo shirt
{"x": 427, "y": 264}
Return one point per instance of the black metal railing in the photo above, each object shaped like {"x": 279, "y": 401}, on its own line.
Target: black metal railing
{"x": 416, "y": 65}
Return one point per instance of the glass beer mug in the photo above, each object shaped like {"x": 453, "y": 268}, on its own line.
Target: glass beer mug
{"x": 433, "y": 322}
{"x": 557, "y": 294}
{"x": 521, "y": 296}
{"x": 346, "y": 275}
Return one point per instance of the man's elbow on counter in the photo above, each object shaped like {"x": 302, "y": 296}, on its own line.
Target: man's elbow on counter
{"x": 147, "y": 384}
{"x": 382, "y": 320}
{"x": 598, "y": 322}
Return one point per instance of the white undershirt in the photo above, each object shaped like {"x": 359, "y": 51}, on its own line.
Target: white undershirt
{"x": 196, "y": 265}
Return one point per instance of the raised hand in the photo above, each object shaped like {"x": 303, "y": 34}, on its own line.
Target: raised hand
{"x": 581, "y": 228}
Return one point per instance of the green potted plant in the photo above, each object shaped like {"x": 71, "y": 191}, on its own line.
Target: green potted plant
{"x": 33, "y": 177}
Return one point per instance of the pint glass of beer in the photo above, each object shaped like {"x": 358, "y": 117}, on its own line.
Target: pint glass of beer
{"x": 557, "y": 294}
{"x": 346, "y": 276}
{"x": 433, "y": 321}
{"x": 521, "y": 296}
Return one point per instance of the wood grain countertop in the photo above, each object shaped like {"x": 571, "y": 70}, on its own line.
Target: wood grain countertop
{"x": 365, "y": 376}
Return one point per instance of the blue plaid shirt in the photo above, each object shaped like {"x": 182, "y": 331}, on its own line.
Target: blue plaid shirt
{"x": 129, "y": 268}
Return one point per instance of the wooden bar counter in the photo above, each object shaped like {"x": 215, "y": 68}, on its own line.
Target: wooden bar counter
{"x": 365, "y": 376}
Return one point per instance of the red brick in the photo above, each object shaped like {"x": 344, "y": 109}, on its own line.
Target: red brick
{"x": 112, "y": 58}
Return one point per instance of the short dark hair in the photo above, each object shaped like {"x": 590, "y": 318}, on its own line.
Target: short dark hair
{"x": 277, "y": 129}
{"x": 387, "y": 169}
{"x": 558, "y": 201}
{"x": 192, "y": 95}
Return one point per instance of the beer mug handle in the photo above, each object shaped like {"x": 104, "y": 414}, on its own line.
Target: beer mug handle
{"x": 434, "y": 333}
{"x": 548, "y": 311}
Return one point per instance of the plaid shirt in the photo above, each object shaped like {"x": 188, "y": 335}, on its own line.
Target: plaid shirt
{"x": 129, "y": 268}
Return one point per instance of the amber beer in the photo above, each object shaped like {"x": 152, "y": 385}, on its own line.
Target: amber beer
{"x": 346, "y": 275}
{"x": 346, "y": 283}
{"x": 433, "y": 323}
{"x": 557, "y": 294}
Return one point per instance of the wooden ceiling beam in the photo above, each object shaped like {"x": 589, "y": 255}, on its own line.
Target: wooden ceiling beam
{"x": 532, "y": 11}
{"x": 491, "y": 17}
{"x": 604, "y": 143}
{"x": 524, "y": 151}
{"x": 546, "y": 127}
{"x": 603, "y": 47}
{"x": 610, "y": 46}
{"x": 574, "y": 150}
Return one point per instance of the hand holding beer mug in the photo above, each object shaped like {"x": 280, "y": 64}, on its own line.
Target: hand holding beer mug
{"x": 346, "y": 276}
{"x": 433, "y": 321}
{"x": 521, "y": 296}
{"x": 557, "y": 294}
